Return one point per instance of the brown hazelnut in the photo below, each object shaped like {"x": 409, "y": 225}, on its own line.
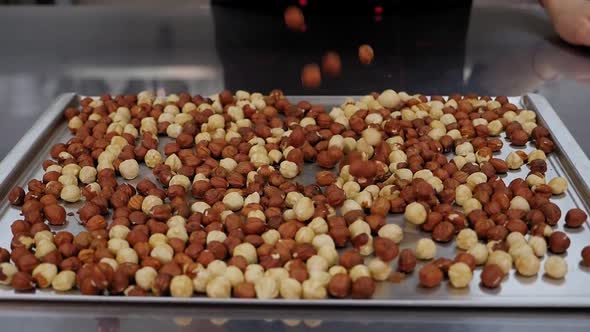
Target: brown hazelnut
{"x": 559, "y": 242}
{"x": 244, "y": 290}
{"x": 16, "y": 196}
{"x": 350, "y": 258}
{"x": 331, "y": 64}
{"x": 22, "y": 281}
{"x": 586, "y": 256}
{"x": 443, "y": 263}
{"x": 430, "y": 276}
{"x": 407, "y": 261}
{"x": 386, "y": 249}
{"x": 339, "y": 285}
{"x": 552, "y": 213}
{"x": 575, "y": 218}
{"x": 55, "y": 214}
{"x": 363, "y": 288}
{"x": 27, "y": 263}
{"x": 443, "y": 232}
{"x": 311, "y": 76}
{"x": 467, "y": 259}
{"x": 366, "y": 54}
{"x": 492, "y": 276}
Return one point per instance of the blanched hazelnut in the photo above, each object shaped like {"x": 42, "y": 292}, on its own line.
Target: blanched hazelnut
{"x": 234, "y": 275}
{"x": 502, "y": 259}
{"x": 290, "y": 289}
{"x": 555, "y": 267}
{"x": 129, "y": 169}
{"x": 329, "y": 253}
{"x": 153, "y": 158}
{"x": 462, "y": 194}
{"x": 253, "y": 273}
{"x": 480, "y": 252}
{"x": 288, "y": 169}
{"x": 233, "y": 201}
{"x": 466, "y": 239}
{"x": 181, "y": 286}
{"x": 119, "y": 232}
{"x": 87, "y": 174}
{"x": 539, "y": 245}
{"x": 127, "y": 255}
{"x": 460, "y": 275}
{"x": 415, "y": 213}
{"x": 515, "y": 238}
{"x": 201, "y": 281}
{"x": 246, "y": 250}
{"x": 266, "y": 288}
{"x": 318, "y": 225}
{"x": 217, "y": 268}
{"x": 145, "y": 276}
{"x": 219, "y": 287}
{"x": 520, "y": 203}
{"x": 272, "y": 236}
{"x": 379, "y": 269}
{"x": 425, "y": 249}
{"x": 64, "y": 281}
{"x": 304, "y": 209}
{"x": 558, "y": 185}
{"x": 7, "y": 270}
{"x": 149, "y": 202}
{"x": 115, "y": 244}
{"x": 471, "y": 205}
{"x": 336, "y": 269}
{"x": 392, "y": 232}
{"x": 527, "y": 265}
{"x": 514, "y": 161}
{"x": 304, "y": 235}
{"x": 359, "y": 227}
{"x": 520, "y": 249}
{"x": 317, "y": 263}
{"x": 162, "y": 253}
{"x": 313, "y": 290}
{"x": 359, "y": 271}
{"x": 476, "y": 178}
{"x": 70, "y": 193}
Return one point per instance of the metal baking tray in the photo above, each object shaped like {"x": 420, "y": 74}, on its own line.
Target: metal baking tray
{"x": 24, "y": 163}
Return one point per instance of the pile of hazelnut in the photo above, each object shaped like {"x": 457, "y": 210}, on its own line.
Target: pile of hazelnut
{"x": 222, "y": 213}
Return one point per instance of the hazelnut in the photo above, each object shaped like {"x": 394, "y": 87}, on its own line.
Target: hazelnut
{"x": 181, "y": 286}
{"x": 392, "y": 232}
{"x": 466, "y": 239}
{"x": 555, "y": 267}
{"x": 244, "y": 290}
{"x": 363, "y": 288}
{"x": 479, "y": 253}
{"x": 7, "y": 271}
{"x": 415, "y": 213}
{"x": 425, "y": 249}
{"x": 294, "y": 19}
{"x": 22, "y": 281}
{"x": 585, "y": 256}
{"x": 430, "y": 276}
{"x": 443, "y": 232}
{"x": 16, "y": 196}
{"x": 331, "y": 64}
{"x": 527, "y": 265}
{"x": 492, "y": 276}
{"x": 539, "y": 245}
{"x": 311, "y": 76}
{"x": 266, "y": 288}
{"x": 559, "y": 242}
{"x": 340, "y": 285}
{"x": 44, "y": 274}
{"x": 407, "y": 261}
{"x": 460, "y": 275}
{"x": 575, "y": 218}
{"x": 219, "y": 287}
{"x": 366, "y": 55}
{"x": 502, "y": 259}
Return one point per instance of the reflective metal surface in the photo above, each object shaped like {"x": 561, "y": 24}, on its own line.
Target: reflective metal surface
{"x": 516, "y": 291}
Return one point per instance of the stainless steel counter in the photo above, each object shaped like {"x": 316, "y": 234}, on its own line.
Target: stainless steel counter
{"x": 508, "y": 47}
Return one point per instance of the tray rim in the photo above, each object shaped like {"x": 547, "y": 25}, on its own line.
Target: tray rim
{"x": 563, "y": 139}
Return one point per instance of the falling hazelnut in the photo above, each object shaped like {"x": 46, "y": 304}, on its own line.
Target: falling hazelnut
{"x": 331, "y": 64}
{"x": 294, "y": 19}
{"x": 366, "y": 54}
{"x": 311, "y": 76}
